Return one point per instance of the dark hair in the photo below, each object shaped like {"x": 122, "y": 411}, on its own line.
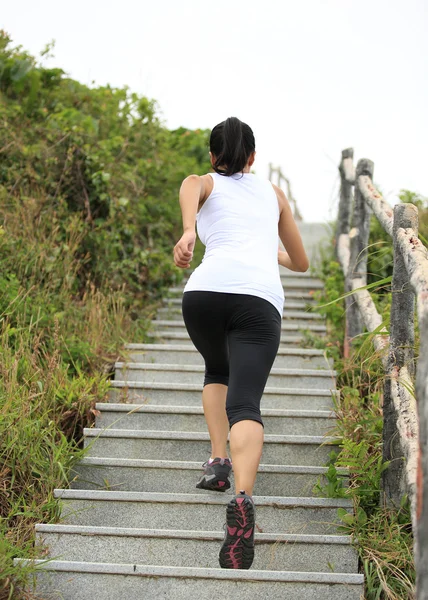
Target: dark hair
{"x": 231, "y": 143}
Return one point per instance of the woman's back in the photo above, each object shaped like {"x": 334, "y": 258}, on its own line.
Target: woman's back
{"x": 238, "y": 224}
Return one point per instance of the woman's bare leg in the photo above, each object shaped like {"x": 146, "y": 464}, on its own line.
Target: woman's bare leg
{"x": 214, "y": 402}
{"x": 246, "y": 445}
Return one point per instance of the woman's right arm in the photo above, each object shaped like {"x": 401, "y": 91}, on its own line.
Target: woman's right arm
{"x": 295, "y": 257}
{"x": 194, "y": 191}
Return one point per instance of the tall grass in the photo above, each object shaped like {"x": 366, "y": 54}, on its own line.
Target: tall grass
{"x": 58, "y": 343}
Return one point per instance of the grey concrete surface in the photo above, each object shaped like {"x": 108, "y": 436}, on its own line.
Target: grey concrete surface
{"x": 187, "y": 354}
{"x": 139, "y": 475}
{"x": 290, "y": 304}
{"x": 86, "y": 581}
{"x": 290, "y": 316}
{"x": 176, "y": 337}
{"x": 126, "y": 443}
{"x": 193, "y": 511}
{"x": 195, "y": 548}
{"x": 176, "y": 373}
{"x": 286, "y": 326}
{"x": 292, "y": 294}
{"x": 170, "y": 418}
{"x": 174, "y": 396}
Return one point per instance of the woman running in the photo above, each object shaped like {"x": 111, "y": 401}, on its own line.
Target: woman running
{"x": 232, "y": 307}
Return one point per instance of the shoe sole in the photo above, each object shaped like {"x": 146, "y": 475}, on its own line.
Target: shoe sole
{"x": 237, "y": 551}
{"x": 213, "y": 484}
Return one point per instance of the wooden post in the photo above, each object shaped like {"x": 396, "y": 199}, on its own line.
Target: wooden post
{"x": 401, "y": 354}
{"x": 359, "y": 239}
{"x": 422, "y": 478}
{"x": 342, "y": 229}
{"x": 346, "y": 198}
{"x": 417, "y": 267}
{"x": 361, "y": 224}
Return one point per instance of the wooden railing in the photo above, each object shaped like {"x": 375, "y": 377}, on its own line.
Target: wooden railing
{"x": 281, "y": 177}
{"x": 405, "y": 413}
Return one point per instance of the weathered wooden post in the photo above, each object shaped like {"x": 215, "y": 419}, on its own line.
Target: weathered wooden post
{"x": 421, "y": 285}
{"x": 422, "y": 491}
{"x": 400, "y": 362}
{"x": 347, "y": 179}
{"x": 359, "y": 239}
{"x": 346, "y": 196}
{"x": 361, "y": 224}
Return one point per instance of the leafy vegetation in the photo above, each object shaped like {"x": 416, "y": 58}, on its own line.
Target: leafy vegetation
{"x": 383, "y": 534}
{"x": 88, "y": 204}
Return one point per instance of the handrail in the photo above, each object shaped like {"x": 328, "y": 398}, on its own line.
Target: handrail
{"x": 290, "y": 197}
{"x": 405, "y": 415}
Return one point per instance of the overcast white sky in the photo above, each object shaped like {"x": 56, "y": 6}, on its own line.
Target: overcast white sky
{"x": 311, "y": 77}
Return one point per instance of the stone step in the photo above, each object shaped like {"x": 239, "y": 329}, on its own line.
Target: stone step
{"x": 274, "y": 514}
{"x": 175, "y": 373}
{"x": 138, "y": 475}
{"x": 285, "y": 326}
{"x": 187, "y": 354}
{"x": 290, "y": 305}
{"x": 110, "y": 581}
{"x": 173, "y": 445}
{"x": 304, "y": 319}
{"x": 191, "y": 418}
{"x": 292, "y": 279}
{"x": 177, "y": 337}
{"x": 175, "y": 548}
{"x": 300, "y": 293}
{"x": 175, "y": 394}
{"x": 285, "y": 273}
{"x": 291, "y": 282}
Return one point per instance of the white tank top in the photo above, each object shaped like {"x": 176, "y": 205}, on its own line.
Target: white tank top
{"x": 238, "y": 224}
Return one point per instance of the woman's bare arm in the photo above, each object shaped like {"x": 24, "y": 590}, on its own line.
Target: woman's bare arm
{"x": 193, "y": 192}
{"x": 295, "y": 257}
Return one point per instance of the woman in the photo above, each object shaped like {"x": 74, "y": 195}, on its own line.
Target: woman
{"x": 232, "y": 308}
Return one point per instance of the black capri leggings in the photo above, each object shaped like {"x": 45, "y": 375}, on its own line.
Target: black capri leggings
{"x": 238, "y": 336}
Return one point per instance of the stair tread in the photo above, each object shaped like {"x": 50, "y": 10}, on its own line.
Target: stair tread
{"x": 195, "y": 572}
{"x": 285, "y": 326}
{"x": 191, "y": 348}
{"x": 298, "y": 304}
{"x": 201, "y": 369}
{"x": 292, "y": 291}
{"x": 189, "y": 534}
{"x": 196, "y": 387}
{"x": 199, "y": 436}
{"x": 209, "y": 498}
{"x": 290, "y": 312}
{"x": 196, "y": 465}
{"x": 198, "y": 410}
{"x": 183, "y": 335}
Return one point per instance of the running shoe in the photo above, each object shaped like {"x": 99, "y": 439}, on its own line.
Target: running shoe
{"x": 237, "y": 551}
{"x": 216, "y": 475}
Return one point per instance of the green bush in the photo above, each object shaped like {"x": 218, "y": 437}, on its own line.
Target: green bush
{"x": 89, "y": 181}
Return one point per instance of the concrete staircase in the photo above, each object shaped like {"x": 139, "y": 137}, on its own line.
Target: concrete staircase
{"x": 134, "y": 525}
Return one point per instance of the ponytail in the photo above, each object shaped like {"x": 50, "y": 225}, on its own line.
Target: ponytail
{"x": 231, "y": 143}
